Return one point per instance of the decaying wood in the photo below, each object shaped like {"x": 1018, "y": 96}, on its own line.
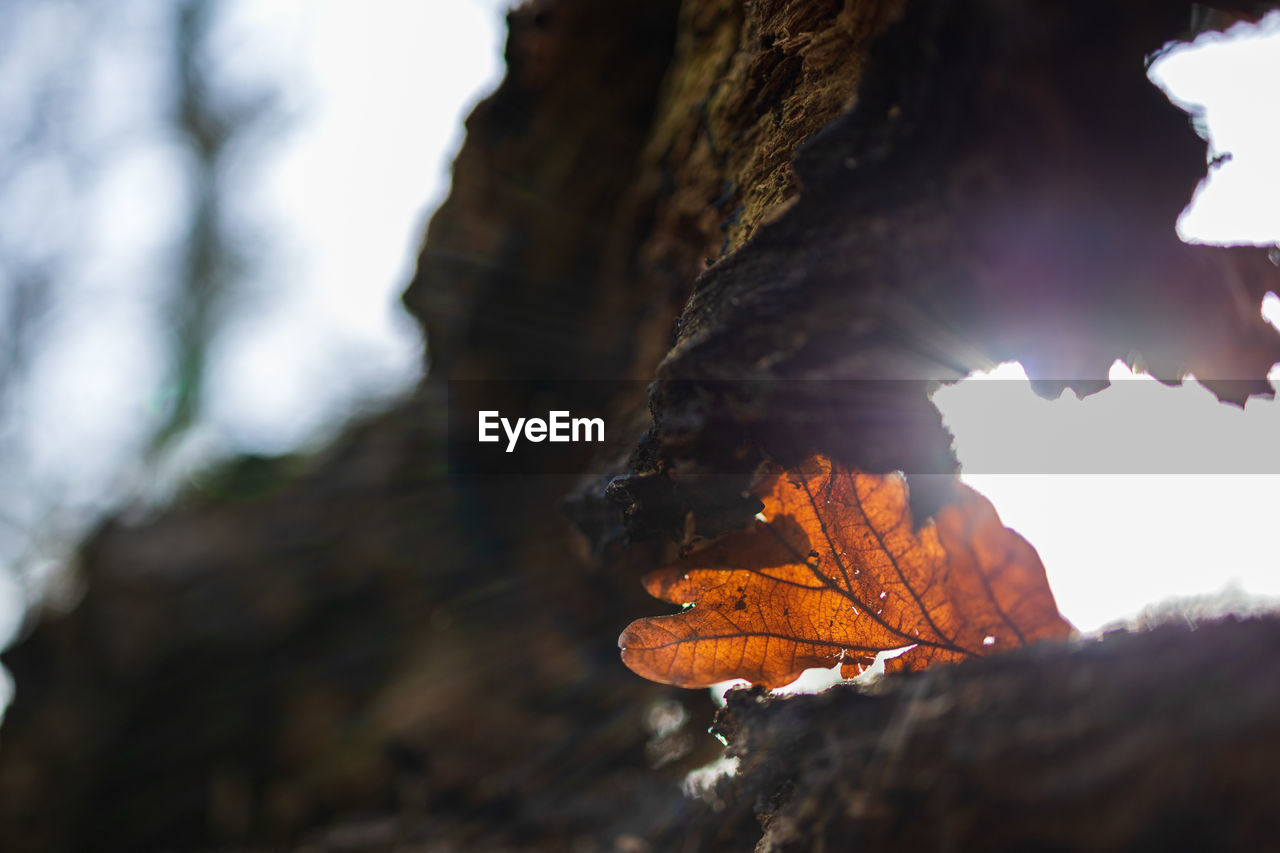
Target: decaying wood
{"x": 1165, "y": 740}
{"x": 1004, "y": 187}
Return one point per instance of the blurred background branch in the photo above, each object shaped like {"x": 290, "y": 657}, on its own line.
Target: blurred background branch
{"x": 214, "y": 123}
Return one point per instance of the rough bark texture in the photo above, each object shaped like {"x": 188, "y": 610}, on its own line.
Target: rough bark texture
{"x": 1004, "y": 188}
{"x": 1157, "y": 741}
{"x": 372, "y": 653}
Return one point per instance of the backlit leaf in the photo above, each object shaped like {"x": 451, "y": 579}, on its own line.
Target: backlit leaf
{"x": 836, "y": 573}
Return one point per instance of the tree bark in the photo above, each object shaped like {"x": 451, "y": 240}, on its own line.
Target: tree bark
{"x": 366, "y": 651}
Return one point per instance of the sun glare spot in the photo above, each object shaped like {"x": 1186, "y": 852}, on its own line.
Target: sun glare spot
{"x": 1271, "y": 309}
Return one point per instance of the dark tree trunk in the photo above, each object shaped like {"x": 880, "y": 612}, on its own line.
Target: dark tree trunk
{"x": 361, "y": 651}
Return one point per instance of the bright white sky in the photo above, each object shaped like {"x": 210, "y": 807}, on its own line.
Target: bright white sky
{"x": 379, "y": 91}
{"x": 382, "y": 90}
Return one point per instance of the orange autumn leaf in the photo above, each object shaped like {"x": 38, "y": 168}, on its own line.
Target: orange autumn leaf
{"x": 836, "y": 573}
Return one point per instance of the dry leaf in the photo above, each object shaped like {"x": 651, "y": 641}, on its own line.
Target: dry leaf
{"x": 836, "y": 573}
